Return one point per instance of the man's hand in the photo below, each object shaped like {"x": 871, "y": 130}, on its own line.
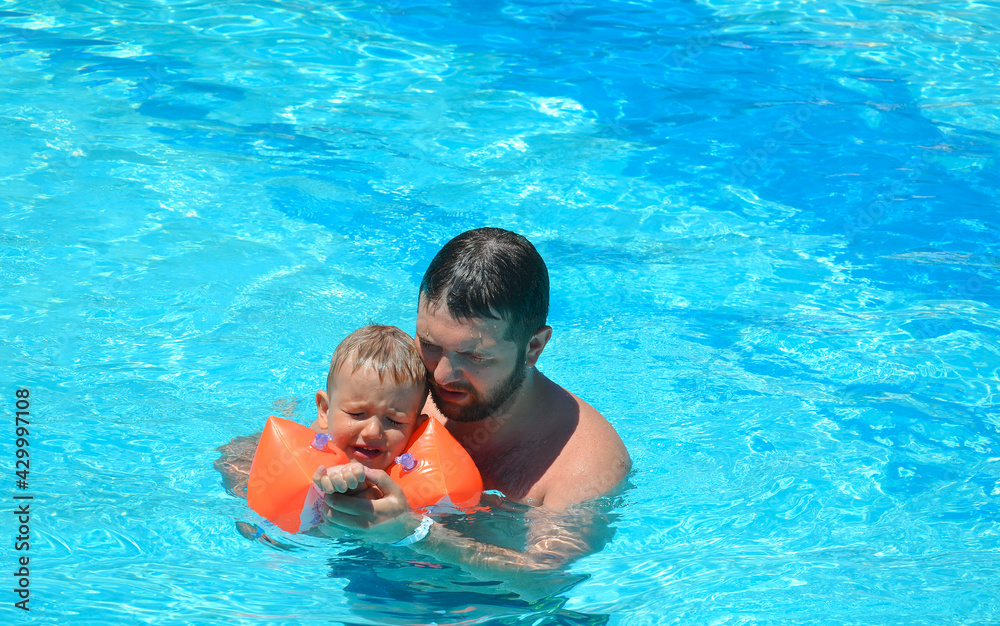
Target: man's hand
{"x": 381, "y": 510}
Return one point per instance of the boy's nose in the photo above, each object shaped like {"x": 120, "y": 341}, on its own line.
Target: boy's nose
{"x": 372, "y": 429}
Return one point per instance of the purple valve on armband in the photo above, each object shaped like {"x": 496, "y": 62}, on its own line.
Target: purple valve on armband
{"x": 320, "y": 441}
{"x": 407, "y": 461}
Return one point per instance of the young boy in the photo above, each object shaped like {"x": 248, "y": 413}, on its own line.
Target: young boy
{"x": 375, "y": 389}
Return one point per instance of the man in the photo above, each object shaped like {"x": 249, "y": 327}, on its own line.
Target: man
{"x": 481, "y": 329}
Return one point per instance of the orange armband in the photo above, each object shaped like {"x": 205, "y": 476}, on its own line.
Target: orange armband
{"x": 434, "y": 470}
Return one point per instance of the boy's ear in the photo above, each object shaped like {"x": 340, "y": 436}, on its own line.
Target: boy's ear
{"x": 322, "y": 406}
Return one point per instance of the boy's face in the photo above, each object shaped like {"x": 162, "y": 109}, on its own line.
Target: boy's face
{"x": 369, "y": 419}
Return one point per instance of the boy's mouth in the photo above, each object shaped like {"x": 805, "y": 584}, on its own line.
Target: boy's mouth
{"x": 363, "y": 452}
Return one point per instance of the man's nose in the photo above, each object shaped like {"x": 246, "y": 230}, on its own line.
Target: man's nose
{"x": 445, "y": 373}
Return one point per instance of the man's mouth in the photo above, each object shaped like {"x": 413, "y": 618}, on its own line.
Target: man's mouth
{"x": 453, "y": 396}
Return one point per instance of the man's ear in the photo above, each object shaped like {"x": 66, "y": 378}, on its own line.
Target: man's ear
{"x": 322, "y": 406}
{"x": 537, "y": 344}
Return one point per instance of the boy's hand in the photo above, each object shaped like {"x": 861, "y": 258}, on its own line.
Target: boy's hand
{"x": 383, "y": 506}
{"x": 341, "y": 478}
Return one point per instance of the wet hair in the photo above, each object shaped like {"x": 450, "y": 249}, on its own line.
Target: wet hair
{"x": 491, "y": 273}
{"x": 387, "y": 349}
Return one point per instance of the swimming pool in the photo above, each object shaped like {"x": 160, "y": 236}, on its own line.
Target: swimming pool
{"x": 773, "y": 242}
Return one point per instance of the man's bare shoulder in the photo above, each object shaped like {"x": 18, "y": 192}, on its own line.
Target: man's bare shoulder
{"x": 593, "y": 461}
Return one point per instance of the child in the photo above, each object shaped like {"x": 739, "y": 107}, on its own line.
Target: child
{"x": 375, "y": 389}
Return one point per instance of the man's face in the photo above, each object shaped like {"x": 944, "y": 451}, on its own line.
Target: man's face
{"x": 474, "y": 371}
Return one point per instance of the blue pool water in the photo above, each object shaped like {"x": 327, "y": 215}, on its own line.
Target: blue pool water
{"x": 774, "y": 246}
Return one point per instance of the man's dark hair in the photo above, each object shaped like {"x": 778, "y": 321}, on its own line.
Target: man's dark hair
{"x": 491, "y": 273}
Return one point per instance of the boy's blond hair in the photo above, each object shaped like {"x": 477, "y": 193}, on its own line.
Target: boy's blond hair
{"x": 387, "y": 349}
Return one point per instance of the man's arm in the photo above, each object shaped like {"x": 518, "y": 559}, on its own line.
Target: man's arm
{"x": 593, "y": 472}
{"x": 593, "y": 462}
{"x": 554, "y": 537}
{"x": 565, "y": 527}
{"x": 235, "y": 461}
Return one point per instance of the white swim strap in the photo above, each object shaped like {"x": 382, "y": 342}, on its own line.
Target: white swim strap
{"x": 418, "y": 534}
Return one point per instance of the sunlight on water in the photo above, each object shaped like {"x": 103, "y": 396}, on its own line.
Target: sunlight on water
{"x": 771, "y": 233}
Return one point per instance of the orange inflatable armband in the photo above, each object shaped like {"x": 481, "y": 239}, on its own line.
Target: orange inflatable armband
{"x": 280, "y": 487}
{"x": 434, "y": 470}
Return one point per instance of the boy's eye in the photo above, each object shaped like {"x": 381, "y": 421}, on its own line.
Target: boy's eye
{"x": 356, "y": 415}
{"x": 393, "y": 422}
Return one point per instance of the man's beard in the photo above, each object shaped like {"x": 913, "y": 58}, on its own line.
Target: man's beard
{"x": 478, "y": 410}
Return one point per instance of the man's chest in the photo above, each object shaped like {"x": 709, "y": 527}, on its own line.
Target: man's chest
{"x": 522, "y": 475}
